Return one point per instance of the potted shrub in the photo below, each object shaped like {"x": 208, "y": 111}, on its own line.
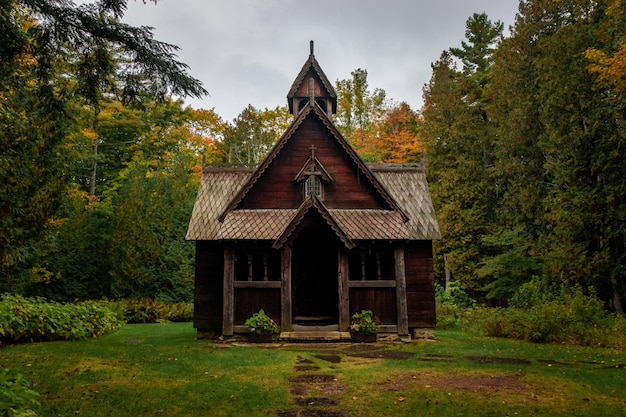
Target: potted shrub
{"x": 261, "y": 327}
{"x": 363, "y": 327}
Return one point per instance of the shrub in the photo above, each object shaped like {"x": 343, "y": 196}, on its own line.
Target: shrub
{"x": 35, "y": 319}
{"x": 363, "y": 323}
{"x": 451, "y": 304}
{"x": 448, "y": 315}
{"x": 152, "y": 311}
{"x": 454, "y": 294}
{"x": 16, "y": 397}
{"x": 570, "y": 317}
{"x": 261, "y": 323}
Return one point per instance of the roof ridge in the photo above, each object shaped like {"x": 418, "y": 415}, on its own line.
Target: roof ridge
{"x": 396, "y": 166}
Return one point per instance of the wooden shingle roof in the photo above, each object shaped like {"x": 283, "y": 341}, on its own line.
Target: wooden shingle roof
{"x": 405, "y": 183}
{"x": 255, "y": 224}
{"x": 408, "y": 186}
{"x": 217, "y": 188}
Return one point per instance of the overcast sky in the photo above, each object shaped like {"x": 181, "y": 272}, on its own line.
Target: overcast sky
{"x": 250, "y": 51}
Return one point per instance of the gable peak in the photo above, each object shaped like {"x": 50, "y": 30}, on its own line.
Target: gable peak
{"x": 311, "y": 84}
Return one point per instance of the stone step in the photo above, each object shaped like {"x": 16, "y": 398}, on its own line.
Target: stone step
{"x": 315, "y": 336}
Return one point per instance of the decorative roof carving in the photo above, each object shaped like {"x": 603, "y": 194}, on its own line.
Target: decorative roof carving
{"x": 313, "y": 166}
{"x": 307, "y": 205}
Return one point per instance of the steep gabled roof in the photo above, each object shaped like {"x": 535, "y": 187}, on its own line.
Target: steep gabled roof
{"x": 313, "y": 203}
{"x": 403, "y": 210}
{"x": 309, "y": 109}
{"x": 406, "y": 183}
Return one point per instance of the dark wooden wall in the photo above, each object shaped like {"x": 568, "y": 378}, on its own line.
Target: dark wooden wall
{"x": 318, "y": 87}
{"x": 382, "y": 302}
{"x": 277, "y": 188}
{"x": 420, "y": 292}
{"x": 250, "y": 300}
{"x": 420, "y": 284}
{"x": 209, "y": 279}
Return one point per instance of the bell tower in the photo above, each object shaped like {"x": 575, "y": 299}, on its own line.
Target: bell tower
{"x": 312, "y": 85}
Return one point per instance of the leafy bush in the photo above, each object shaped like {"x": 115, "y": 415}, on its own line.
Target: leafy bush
{"x": 454, "y": 294}
{"x": 536, "y": 315}
{"x": 35, "y": 319}
{"x": 451, "y": 304}
{"x": 261, "y": 323}
{"x": 363, "y": 323}
{"x": 17, "y": 399}
{"x": 152, "y": 311}
{"x": 448, "y": 315}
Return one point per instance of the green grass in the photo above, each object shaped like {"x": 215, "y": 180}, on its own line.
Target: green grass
{"x": 161, "y": 369}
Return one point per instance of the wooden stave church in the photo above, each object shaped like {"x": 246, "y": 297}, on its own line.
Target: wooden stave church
{"x": 313, "y": 234}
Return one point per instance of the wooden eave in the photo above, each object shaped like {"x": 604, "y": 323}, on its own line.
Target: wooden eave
{"x": 308, "y": 108}
{"x": 313, "y": 202}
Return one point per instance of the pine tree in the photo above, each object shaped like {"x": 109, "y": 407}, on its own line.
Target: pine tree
{"x": 458, "y": 137}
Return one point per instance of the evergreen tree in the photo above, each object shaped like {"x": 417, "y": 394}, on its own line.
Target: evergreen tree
{"x": 458, "y": 136}
{"x": 557, "y": 145}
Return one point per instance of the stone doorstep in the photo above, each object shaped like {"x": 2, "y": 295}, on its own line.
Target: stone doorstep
{"x": 315, "y": 336}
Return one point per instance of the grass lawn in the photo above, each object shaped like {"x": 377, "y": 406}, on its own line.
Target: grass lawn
{"x": 161, "y": 369}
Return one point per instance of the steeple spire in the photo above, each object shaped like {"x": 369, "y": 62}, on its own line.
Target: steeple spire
{"x": 321, "y": 92}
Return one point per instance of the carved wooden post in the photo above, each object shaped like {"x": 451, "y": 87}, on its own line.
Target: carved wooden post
{"x": 229, "y": 294}
{"x": 344, "y": 292}
{"x": 403, "y": 318}
{"x": 285, "y": 289}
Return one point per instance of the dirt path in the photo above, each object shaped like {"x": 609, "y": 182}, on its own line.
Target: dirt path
{"x": 316, "y": 393}
{"x": 313, "y": 393}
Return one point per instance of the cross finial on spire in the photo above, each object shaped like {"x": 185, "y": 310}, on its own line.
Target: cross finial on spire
{"x": 313, "y": 148}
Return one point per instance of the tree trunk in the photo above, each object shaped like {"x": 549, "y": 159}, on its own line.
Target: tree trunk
{"x": 617, "y": 294}
{"x": 94, "y": 151}
{"x": 445, "y": 263}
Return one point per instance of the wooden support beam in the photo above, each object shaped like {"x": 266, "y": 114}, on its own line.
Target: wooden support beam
{"x": 258, "y": 284}
{"x": 229, "y": 292}
{"x": 383, "y": 283}
{"x": 344, "y": 292}
{"x": 285, "y": 292}
{"x": 403, "y": 316}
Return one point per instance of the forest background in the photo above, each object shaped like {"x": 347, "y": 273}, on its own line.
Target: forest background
{"x": 522, "y": 137}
